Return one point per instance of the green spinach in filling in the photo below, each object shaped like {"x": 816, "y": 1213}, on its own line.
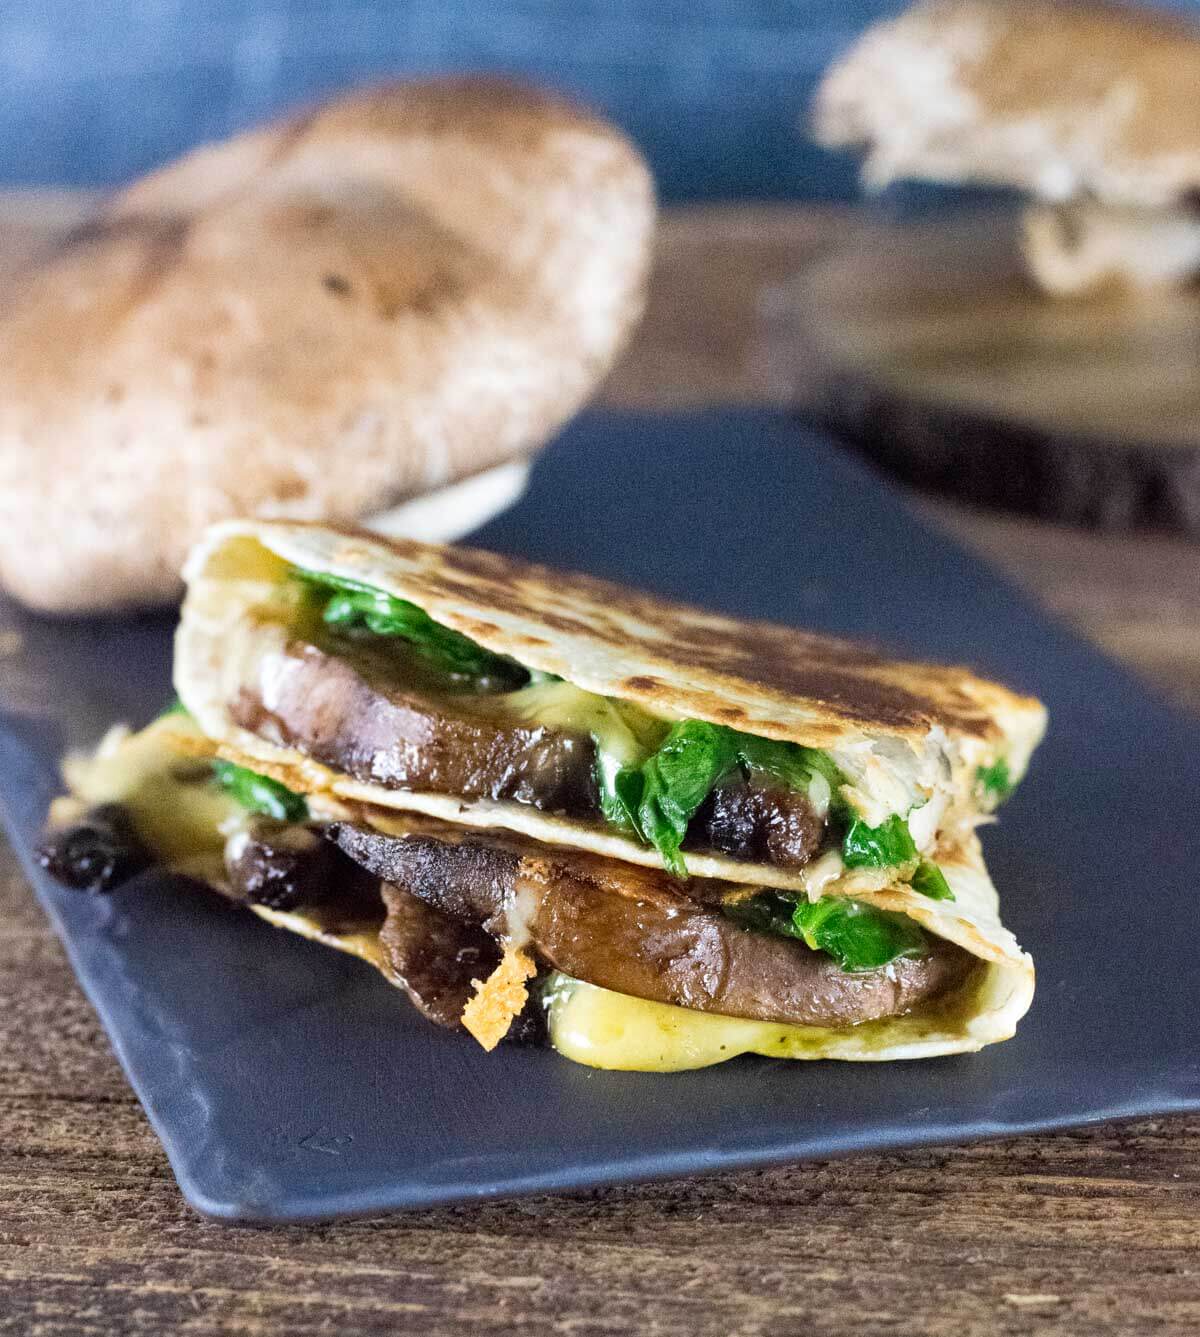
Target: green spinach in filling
{"x": 655, "y": 799}
{"x": 658, "y": 799}
{"x": 258, "y": 793}
{"x": 347, "y": 607}
{"x": 254, "y": 792}
{"x": 996, "y": 781}
{"x": 857, "y": 936}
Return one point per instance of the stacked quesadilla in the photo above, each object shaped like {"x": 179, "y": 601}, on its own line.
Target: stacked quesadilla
{"x": 543, "y": 804}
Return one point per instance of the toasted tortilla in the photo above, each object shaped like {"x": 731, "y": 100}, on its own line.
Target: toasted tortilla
{"x": 985, "y": 1011}
{"x": 896, "y": 728}
{"x": 903, "y": 732}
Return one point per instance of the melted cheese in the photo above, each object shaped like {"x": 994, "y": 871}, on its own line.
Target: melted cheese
{"x": 175, "y": 807}
{"x": 603, "y": 1029}
{"x": 624, "y": 733}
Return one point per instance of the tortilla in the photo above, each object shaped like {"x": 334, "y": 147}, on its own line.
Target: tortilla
{"x": 986, "y": 1011}
{"x": 894, "y": 727}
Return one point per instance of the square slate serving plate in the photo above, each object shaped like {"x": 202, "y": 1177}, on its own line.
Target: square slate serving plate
{"x": 289, "y": 1083}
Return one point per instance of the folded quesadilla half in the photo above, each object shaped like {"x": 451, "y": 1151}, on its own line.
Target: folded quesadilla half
{"x": 542, "y": 804}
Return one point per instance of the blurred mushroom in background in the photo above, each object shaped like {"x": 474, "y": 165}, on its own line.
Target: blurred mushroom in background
{"x": 399, "y": 293}
{"x": 1090, "y": 108}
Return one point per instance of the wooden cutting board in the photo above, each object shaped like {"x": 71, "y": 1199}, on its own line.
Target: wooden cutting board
{"x": 929, "y": 348}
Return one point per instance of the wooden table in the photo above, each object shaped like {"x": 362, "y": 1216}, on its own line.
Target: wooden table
{"x": 1090, "y": 1232}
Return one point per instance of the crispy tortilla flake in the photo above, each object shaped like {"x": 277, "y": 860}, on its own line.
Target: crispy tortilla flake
{"x": 499, "y": 999}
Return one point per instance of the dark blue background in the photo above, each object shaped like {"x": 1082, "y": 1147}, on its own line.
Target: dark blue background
{"x": 94, "y": 91}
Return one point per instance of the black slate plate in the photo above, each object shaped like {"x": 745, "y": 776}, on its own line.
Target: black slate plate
{"x": 288, "y": 1083}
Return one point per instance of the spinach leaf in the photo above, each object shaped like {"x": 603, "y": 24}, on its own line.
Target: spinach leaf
{"x": 675, "y": 782}
{"x": 930, "y": 881}
{"x": 882, "y": 846}
{"x": 352, "y": 607}
{"x": 259, "y": 793}
{"x": 175, "y": 708}
{"x": 995, "y": 780}
{"x": 857, "y": 936}
{"x": 789, "y": 763}
{"x": 889, "y": 846}
{"x": 620, "y": 795}
{"x": 658, "y": 800}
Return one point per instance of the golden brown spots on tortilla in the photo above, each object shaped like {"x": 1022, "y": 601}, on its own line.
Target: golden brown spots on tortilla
{"x": 479, "y": 629}
{"x": 687, "y": 662}
{"x": 567, "y": 625}
{"x": 356, "y": 557}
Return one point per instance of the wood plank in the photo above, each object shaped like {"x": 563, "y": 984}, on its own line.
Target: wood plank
{"x": 929, "y": 345}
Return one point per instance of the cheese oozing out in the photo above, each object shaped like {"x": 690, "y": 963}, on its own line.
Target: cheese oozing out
{"x": 175, "y": 807}
{"x": 602, "y": 1029}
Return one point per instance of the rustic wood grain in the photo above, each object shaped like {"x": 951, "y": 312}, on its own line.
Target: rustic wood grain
{"x": 929, "y": 345}
{"x": 1093, "y": 1232}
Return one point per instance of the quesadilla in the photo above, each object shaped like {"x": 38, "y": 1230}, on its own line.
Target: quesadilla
{"x": 542, "y": 803}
